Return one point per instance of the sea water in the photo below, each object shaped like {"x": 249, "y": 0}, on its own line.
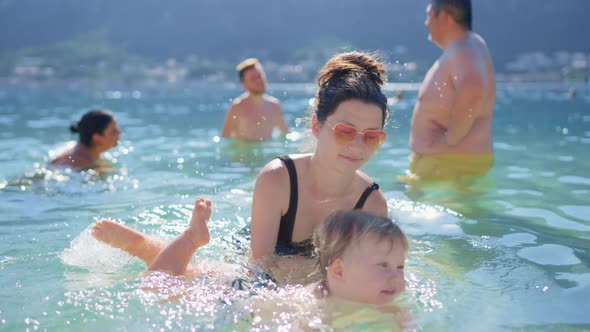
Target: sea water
{"x": 507, "y": 251}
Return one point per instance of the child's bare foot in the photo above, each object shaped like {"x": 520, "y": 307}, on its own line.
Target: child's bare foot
{"x": 198, "y": 231}
{"x": 127, "y": 239}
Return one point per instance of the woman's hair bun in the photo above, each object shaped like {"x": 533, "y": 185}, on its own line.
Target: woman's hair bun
{"x": 74, "y": 128}
{"x": 354, "y": 64}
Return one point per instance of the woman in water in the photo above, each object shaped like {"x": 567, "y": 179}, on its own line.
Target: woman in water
{"x": 98, "y": 132}
{"x": 294, "y": 193}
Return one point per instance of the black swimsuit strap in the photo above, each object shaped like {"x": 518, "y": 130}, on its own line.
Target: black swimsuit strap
{"x": 288, "y": 220}
{"x": 361, "y": 202}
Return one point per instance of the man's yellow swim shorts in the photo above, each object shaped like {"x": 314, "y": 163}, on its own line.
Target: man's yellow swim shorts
{"x": 443, "y": 167}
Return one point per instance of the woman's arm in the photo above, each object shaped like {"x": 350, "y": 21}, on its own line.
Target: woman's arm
{"x": 271, "y": 195}
{"x": 377, "y": 203}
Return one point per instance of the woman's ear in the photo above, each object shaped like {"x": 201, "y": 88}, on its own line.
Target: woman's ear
{"x": 97, "y": 139}
{"x": 315, "y": 126}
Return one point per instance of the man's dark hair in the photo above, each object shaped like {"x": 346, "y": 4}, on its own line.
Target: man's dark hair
{"x": 459, "y": 10}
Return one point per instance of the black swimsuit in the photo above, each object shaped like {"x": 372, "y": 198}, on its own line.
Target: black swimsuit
{"x": 285, "y": 246}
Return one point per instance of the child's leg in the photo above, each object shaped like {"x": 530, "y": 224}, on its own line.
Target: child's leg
{"x": 175, "y": 257}
{"x": 137, "y": 244}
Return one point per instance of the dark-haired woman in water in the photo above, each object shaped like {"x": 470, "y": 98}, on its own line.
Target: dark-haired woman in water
{"x": 294, "y": 193}
{"x": 98, "y": 132}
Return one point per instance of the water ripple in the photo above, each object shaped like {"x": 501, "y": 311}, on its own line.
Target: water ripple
{"x": 508, "y": 147}
{"x": 48, "y": 123}
{"x": 516, "y": 239}
{"x": 581, "y": 212}
{"x": 550, "y": 254}
{"x": 550, "y": 218}
{"x": 574, "y": 180}
{"x": 512, "y": 192}
{"x": 9, "y": 120}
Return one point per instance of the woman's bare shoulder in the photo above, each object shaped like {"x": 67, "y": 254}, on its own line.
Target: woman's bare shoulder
{"x": 376, "y": 202}
{"x": 272, "y": 175}
{"x": 363, "y": 178}
{"x": 72, "y": 159}
{"x": 277, "y": 168}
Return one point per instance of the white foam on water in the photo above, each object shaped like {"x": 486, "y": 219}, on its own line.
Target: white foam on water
{"x": 88, "y": 253}
{"x": 420, "y": 219}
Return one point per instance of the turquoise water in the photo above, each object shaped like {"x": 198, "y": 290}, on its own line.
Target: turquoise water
{"x": 510, "y": 251}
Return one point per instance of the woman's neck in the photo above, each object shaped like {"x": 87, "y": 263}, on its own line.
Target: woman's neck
{"x": 92, "y": 152}
{"x": 327, "y": 180}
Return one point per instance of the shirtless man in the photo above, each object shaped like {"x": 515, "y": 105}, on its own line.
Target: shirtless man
{"x": 451, "y": 131}
{"x": 253, "y": 115}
